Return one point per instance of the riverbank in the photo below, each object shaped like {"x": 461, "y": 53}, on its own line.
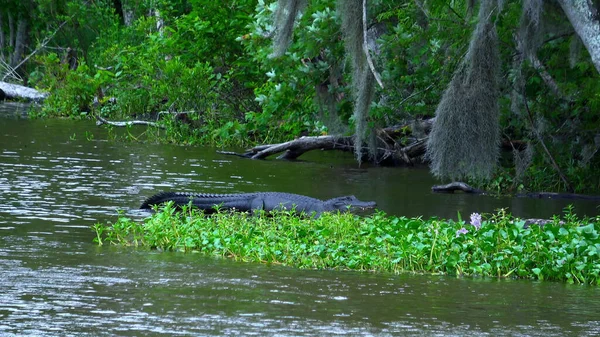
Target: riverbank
{"x": 489, "y": 245}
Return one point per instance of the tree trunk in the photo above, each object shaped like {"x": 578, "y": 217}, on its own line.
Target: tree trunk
{"x": 118, "y": 6}
{"x": 11, "y": 30}
{"x": 2, "y": 39}
{"x": 160, "y": 22}
{"x": 128, "y": 12}
{"x": 581, "y": 15}
{"x": 20, "y": 42}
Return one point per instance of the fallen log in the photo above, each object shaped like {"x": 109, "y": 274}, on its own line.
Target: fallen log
{"x": 552, "y": 195}
{"x": 398, "y": 145}
{"x": 15, "y": 91}
{"x": 407, "y": 155}
{"x": 295, "y": 148}
{"x": 461, "y": 186}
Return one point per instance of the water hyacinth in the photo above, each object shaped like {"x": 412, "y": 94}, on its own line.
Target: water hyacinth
{"x": 476, "y": 220}
{"x": 461, "y": 231}
{"x": 562, "y": 250}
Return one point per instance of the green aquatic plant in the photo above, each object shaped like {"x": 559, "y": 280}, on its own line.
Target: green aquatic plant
{"x": 497, "y": 245}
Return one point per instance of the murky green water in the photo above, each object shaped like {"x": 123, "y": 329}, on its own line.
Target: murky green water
{"x": 54, "y": 281}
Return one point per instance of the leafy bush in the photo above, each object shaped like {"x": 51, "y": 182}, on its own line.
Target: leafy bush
{"x": 72, "y": 90}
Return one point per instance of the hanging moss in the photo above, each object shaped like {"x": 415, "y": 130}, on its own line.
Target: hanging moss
{"x": 464, "y": 141}
{"x": 363, "y": 97}
{"x": 363, "y": 81}
{"x": 530, "y": 35}
{"x": 351, "y": 13}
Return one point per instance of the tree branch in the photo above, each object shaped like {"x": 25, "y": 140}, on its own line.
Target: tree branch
{"x": 541, "y": 140}
{"x": 550, "y": 82}
{"x": 366, "y": 46}
{"x": 42, "y": 45}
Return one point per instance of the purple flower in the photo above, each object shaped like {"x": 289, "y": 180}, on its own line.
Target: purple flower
{"x": 476, "y": 220}
{"x": 461, "y": 231}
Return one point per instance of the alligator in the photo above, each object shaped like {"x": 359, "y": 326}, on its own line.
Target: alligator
{"x": 267, "y": 201}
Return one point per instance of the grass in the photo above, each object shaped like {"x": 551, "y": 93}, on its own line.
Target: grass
{"x": 494, "y": 245}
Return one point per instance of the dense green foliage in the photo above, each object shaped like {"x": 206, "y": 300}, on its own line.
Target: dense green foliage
{"x": 496, "y": 246}
{"x": 192, "y": 65}
{"x": 205, "y": 70}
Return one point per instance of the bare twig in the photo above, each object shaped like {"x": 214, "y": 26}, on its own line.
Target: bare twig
{"x": 456, "y": 13}
{"x": 174, "y": 113}
{"x": 42, "y": 45}
{"x": 10, "y": 71}
{"x": 414, "y": 94}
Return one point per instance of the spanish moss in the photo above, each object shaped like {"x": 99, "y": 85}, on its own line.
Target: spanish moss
{"x": 530, "y": 31}
{"x": 351, "y": 12}
{"x": 363, "y": 81}
{"x": 464, "y": 141}
{"x": 363, "y": 97}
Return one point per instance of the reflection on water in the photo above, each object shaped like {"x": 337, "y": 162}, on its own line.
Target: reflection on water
{"x": 54, "y": 281}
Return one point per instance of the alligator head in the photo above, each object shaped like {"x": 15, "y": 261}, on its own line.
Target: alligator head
{"x": 349, "y": 203}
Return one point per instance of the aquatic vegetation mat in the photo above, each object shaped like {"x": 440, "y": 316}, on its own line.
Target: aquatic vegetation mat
{"x": 488, "y": 245}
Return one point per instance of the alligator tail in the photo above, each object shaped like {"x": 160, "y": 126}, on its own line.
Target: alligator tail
{"x": 178, "y": 198}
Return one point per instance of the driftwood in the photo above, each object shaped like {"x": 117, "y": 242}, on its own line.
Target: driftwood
{"x": 101, "y": 120}
{"x": 408, "y": 155}
{"x": 293, "y": 149}
{"x": 390, "y": 151}
{"x": 15, "y": 91}
{"x": 404, "y": 144}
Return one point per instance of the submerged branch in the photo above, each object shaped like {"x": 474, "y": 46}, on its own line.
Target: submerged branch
{"x": 102, "y": 120}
